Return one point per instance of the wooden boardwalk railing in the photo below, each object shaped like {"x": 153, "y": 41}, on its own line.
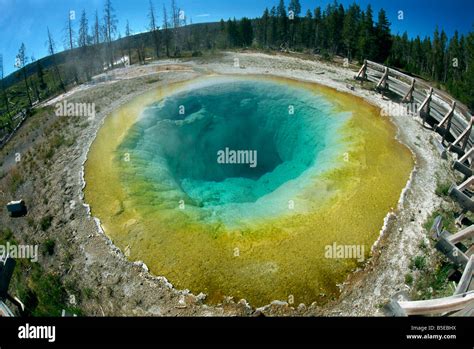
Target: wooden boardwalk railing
{"x": 452, "y": 120}
{"x": 462, "y": 300}
{"x": 438, "y": 306}
{"x": 448, "y": 117}
{"x": 451, "y": 117}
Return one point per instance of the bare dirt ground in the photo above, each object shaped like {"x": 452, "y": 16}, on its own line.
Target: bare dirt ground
{"x": 52, "y": 185}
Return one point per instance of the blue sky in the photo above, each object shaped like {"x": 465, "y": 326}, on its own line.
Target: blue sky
{"x": 26, "y": 20}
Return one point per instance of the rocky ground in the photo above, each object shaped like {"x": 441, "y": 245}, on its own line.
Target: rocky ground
{"x": 49, "y": 177}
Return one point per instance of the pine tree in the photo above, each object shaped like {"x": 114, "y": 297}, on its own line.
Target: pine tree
{"x": 273, "y": 36}
{"x": 40, "y": 75}
{"x": 83, "y": 30}
{"x": 33, "y": 83}
{"x": 263, "y": 28}
{"x": 417, "y": 53}
{"x": 307, "y": 32}
{"x": 166, "y": 31}
{"x": 339, "y": 21}
{"x": 294, "y": 20}
{"x": 70, "y": 33}
{"x": 246, "y": 31}
{"x": 128, "y": 33}
{"x": 153, "y": 28}
{"x": 367, "y": 40}
{"x": 318, "y": 31}
{"x": 20, "y": 63}
{"x": 70, "y": 40}
{"x": 405, "y": 52}
{"x": 282, "y": 23}
{"x": 332, "y": 23}
{"x": 96, "y": 29}
{"x": 2, "y": 88}
{"x": 444, "y": 61}
{"x": 427, "y": 49}
{"x": 295, "y": 7}
{"x": 468, "y": 84}
{"x": 52, "y": 51}
{"x": 110, "y": 29}
{"x": 436, "y": 55}
{"x": 350, "y": 30}
{"x": 176, "y": 24}
{"x": 454, "y": 63}
{"x": 383, "y": 37}
{"x": 233, "y": 33}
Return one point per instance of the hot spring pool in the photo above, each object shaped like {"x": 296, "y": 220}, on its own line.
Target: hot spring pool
{"x": 235, "y": 186}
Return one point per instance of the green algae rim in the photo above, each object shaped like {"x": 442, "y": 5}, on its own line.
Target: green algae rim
{"x": 389, "y": 130}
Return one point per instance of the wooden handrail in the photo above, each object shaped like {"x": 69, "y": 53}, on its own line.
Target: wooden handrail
{"x": 437, "y": 306}
{"x": 467, "y": 156}
{"x": 466, "y": 277}
{"x": 383, "y": 79}
{"x": 440, "y": 94}
{"x": 466, "y": 233}
{"x": 466, "y": 183}
{"x": 409, "y": 95}
{"x": 448, "y": 115}
{"x": 464, "y": 134}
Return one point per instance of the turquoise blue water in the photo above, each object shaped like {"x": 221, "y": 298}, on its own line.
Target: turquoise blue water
{"x": 236, "y": 234}
{"x": 176, "y": 142}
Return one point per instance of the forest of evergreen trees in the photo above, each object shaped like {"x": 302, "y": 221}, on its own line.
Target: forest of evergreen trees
{"x": 350, "y": 32}
{"x": 353, "y": 33}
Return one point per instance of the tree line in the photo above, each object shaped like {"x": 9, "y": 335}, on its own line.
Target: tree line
{"x": 354, "y": 34}
{"x": 95, "y": 45}
{"x": 91, "y": 46}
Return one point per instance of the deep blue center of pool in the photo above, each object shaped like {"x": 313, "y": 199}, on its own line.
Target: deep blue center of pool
{"x": 177, "y": 140}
